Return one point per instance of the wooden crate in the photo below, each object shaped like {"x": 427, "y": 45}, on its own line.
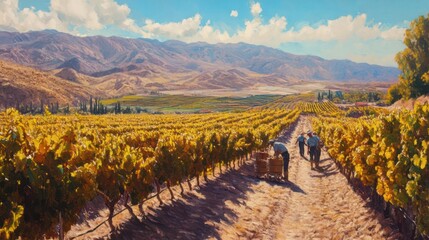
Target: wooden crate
{"x": 261, "y": 164}
{"x": 275, "y": 166}
{"x": 261, "y": 167}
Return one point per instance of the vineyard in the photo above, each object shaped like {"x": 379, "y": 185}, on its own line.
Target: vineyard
{"x": 305, "y": 103}
{"x": 323, "y": 108}
{"x": 53, "y": 165}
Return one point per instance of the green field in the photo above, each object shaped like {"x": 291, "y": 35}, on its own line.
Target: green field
{"x": 182, "y": 103}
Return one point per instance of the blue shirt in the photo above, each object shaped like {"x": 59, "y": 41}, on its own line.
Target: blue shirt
{"x": 279, "y": 147}
{"x": 312, "y": 141}
{"x": 301, "y": 138}
{"x": 319, "y": 142}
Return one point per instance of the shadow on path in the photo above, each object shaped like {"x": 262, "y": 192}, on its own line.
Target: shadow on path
{"x": 326, "y": 169}
{"x": 187, "y": 216}
{"x": 292, "y": 186}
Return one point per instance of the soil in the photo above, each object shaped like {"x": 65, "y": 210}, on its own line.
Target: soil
{"x": 314, "y": 204}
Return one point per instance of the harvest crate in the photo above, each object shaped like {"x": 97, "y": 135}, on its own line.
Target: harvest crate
{"x": 261, "y": 167}
{"x": 275, "y": 166}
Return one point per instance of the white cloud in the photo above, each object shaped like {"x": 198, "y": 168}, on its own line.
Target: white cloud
{"x": 93, "y": 14}
{"x": 270, "y": 34}
{"x": 394, "y": 33}
{"x": 28, "y": 18}
{"x": 256, "y": 9}
{"x": 67, "y": 15}
{"x": 174, "y": 30}
{"x": 234, "y": 13}
{"x": 343, "y": 28}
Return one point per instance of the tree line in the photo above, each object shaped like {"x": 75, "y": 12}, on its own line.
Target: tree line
{"x": 93, "y": 106}
{"x": 350, "y": 97}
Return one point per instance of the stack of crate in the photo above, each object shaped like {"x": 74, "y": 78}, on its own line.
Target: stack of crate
{"x": 261, "y": 166}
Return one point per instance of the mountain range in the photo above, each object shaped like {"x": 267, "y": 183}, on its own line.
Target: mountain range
{"x": 118, "y": 66}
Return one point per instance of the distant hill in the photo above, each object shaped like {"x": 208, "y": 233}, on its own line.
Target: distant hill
{"x": 178, "y": 63}
{"x": 25, "y": 85}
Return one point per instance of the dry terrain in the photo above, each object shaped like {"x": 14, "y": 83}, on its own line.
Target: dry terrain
{"x": 20, "y": 84}
{"x": 236, "y": 205}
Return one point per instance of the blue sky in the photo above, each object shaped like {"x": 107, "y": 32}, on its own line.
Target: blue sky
{"x": 359, "y": 30}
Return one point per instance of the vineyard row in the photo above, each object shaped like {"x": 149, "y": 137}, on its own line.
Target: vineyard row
{"x": 388, "y": 153}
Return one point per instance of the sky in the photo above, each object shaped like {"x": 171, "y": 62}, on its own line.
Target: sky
{"x": 369, "y": 31}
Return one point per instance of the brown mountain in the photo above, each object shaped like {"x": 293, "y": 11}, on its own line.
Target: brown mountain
{"x": 22, "y": 85}
{"x": 68, "y": 74}
{"x": 121, "y": 65}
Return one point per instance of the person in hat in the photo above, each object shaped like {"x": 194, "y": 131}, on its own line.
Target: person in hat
{"x": 318, "y": 149}
{"x": 312, "y": 143}
{"x": 280, "y": 148}
{"x": 301, "y": 142}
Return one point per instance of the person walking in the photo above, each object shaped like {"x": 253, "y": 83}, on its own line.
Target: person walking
{"x": 312, "y": 143}
{"x": 301, "y": 142}
{"x": 318, "y": 149}
{"x": 280, "y": 148}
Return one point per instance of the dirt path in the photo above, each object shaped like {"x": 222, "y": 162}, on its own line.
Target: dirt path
{"x": 313, "y": 205}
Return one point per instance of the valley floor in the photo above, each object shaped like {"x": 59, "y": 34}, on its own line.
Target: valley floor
{"x": 236, "y": 205}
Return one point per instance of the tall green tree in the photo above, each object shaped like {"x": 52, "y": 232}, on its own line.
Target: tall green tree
{"x": 413, "y": 61}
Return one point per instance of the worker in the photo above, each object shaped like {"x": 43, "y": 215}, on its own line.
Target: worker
{"x": 312, "y": 143}
{"x": 280, "y": 148}
{"x": 301, "y": 141}
{"x": 319, "y": 147}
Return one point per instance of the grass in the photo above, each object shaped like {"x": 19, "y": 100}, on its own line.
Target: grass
{"x": 182, "y": 103}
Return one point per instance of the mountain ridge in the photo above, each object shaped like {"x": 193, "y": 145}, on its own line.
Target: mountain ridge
{"x": 175, "y": 64}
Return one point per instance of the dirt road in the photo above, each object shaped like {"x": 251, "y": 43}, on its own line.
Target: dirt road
{"x": 235, "y": 205}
